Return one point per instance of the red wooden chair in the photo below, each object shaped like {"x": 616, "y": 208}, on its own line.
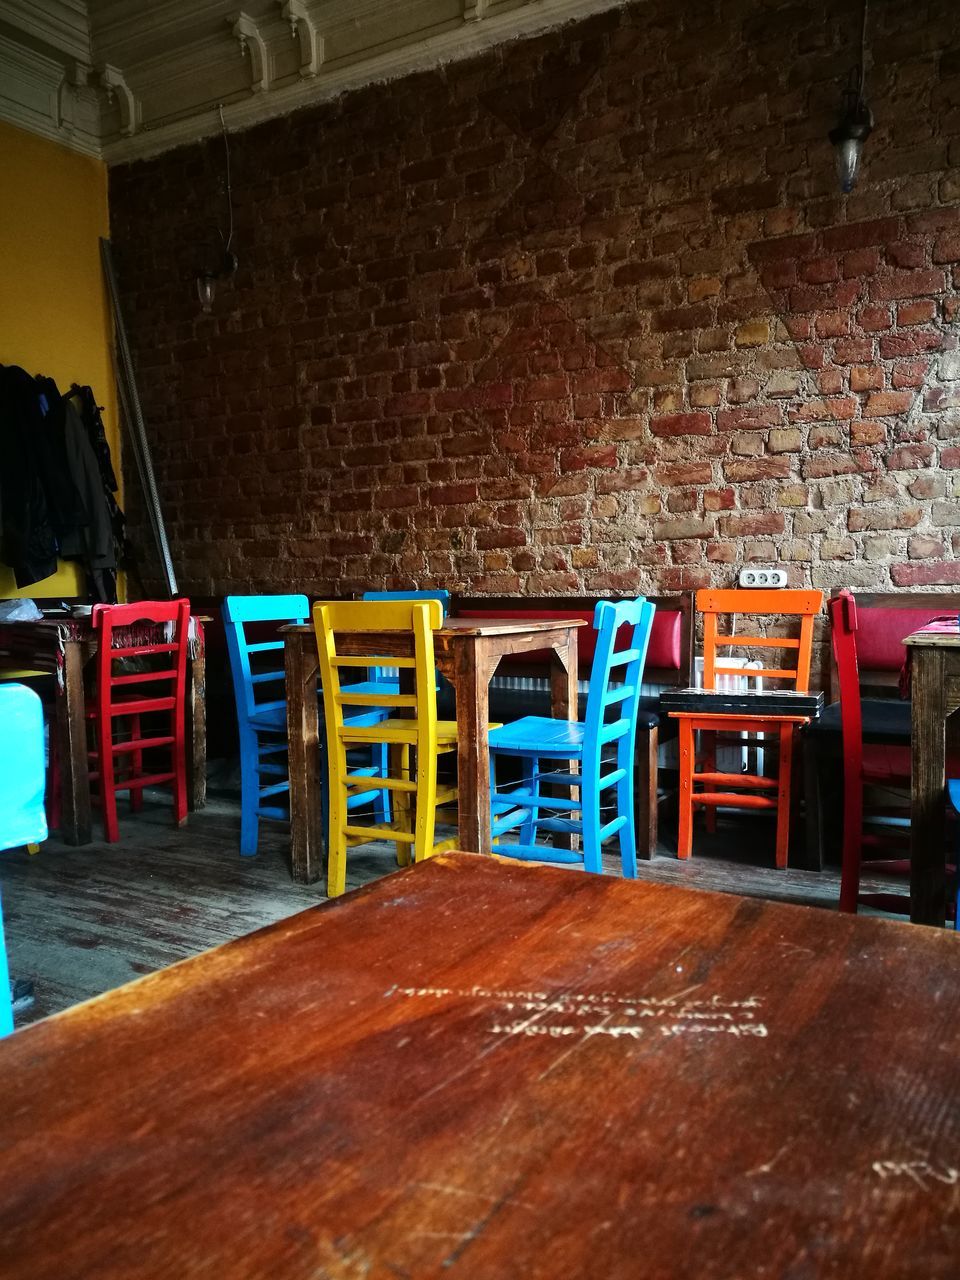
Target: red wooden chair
{"x": 726, "y": 788}
{"x": 870, "y": 764}
{"x": 159, "y": 687}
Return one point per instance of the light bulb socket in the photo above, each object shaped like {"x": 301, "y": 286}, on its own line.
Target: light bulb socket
{"x": 848, "y": 137}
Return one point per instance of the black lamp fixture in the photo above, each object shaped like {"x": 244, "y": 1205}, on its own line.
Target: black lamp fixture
{"x": 856, "y": 120}
{"x": 223, "y": 262}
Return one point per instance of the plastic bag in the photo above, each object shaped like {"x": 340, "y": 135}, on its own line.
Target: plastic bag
{"x": 19, "y": 611}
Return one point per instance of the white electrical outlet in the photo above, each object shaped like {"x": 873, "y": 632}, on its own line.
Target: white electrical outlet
{"x": 763, "y": 578}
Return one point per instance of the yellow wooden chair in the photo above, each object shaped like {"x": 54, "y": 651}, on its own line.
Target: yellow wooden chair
{"x": 411, "y": 730}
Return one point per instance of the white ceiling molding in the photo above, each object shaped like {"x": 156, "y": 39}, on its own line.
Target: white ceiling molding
{"x": 303, "y": 27}
{"x": 165, "y": 67}
{"x": 118, "y": 91}
{"x": 254, "y": 47}
{"x": 60, "y": 24}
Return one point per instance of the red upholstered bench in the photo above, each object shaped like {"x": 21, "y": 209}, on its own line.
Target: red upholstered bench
{"x": 521, "y": 687}
{"x": 883, "y": 619}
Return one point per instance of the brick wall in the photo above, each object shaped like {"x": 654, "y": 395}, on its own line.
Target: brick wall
{"x": 588, "y": 313}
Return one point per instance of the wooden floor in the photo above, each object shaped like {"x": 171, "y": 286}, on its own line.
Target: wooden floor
{"x": 82, "y": 921}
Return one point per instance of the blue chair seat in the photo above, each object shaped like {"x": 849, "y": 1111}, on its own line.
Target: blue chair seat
{"x": 539, "y": 735}
{"x": 272, "y": 717}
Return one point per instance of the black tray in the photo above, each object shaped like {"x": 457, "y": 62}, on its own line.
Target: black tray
{"x": 760, "y": 702}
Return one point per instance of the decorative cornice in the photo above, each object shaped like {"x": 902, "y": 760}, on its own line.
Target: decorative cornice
{"x": 465, "y": 41}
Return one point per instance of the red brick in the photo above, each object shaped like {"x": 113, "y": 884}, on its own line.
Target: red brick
{"x": 765, "y": 522}
{"x": 884, "y": 404}
{"x": 910, "y": 457}
{"x": 907, "y": 284}
{"x": 918, "y": 574}
{"x": 858, "y": 235}
{"x": 600, "y": 455}
{"x": 947, "y": 248}
{"x": 682, "y": 424}
{"x": 747, "y": 470}
{"x": 921, "y": 312}
{"x": 750, "y": 418}
{"x": 683, "y": 473}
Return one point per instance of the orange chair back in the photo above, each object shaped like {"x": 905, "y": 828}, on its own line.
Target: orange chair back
{"x": 714, "y": 604}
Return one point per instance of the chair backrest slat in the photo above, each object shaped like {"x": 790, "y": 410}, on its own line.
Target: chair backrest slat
{"x": 363, "y": 625}
{"x": 628, "y": 663}
{"x": 241, "y": 612}
{"x": 802, "y": 605}
{"x": 136, "y": 622}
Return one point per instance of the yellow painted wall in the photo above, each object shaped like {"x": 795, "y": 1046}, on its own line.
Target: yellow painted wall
{"x": 54, "y": 312}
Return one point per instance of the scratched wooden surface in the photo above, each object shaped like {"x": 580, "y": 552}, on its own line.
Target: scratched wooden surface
{"x": 480, "y": 1070}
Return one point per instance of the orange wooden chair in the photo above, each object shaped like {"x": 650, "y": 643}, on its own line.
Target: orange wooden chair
{"x": 745, "y": 790}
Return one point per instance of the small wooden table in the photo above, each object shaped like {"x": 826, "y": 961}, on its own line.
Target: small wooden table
{"x": 63, "y": 647}
{"x": 467, "y": 651}
{"x": 477, "y": 1070}
{"x": 934, "y": 695}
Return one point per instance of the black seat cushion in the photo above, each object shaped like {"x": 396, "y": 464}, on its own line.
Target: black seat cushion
{"x": 884, "y": 720}
{"x": 512, "y": 704}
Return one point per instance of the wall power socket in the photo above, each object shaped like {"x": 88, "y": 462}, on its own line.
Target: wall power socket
{"x": 763, "y": 578}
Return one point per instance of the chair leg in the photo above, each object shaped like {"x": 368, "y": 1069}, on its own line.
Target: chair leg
{"x": 852, "y": 840}
{"x": 136, "y": 793}
{"x": 426, "y": 805}
{"x": 709, "y": 743}
{"x": 108, "y": 793}
{"x": 179, "y": 783}
{"x": 783, "y": 794}
{"x": 685, "y": 828}
{"x": 530, "y": 782}
{"x": 381, "y": 807}
{"x": 249, "y": 795}
{"x": 590, "y": 819}
{"x": 645, "y": 790}
{"x": 337, "y": 848}
{"x": 400, "y": 768}
{"x": 627, "y": 834}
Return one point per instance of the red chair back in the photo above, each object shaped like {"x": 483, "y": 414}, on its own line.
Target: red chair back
{"x": 155, "y": 632}
{"x": 108, "y": 619}
{"x": 843, "y": 635}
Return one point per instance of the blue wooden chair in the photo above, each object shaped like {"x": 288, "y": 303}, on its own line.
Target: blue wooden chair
{"x": 262, "y": 721}
{"x": 601, "y": 749}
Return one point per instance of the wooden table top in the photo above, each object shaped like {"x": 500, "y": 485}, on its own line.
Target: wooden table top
{"x": 924, "y": 639}
{"x": 479, "y": 1070}
{"x": 505, "y": 626}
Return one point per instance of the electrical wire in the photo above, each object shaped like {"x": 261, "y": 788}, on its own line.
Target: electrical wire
{"x": 226, "y": 152}
{"x": 863, "y": 51}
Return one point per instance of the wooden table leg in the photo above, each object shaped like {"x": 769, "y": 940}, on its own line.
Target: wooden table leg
{"x": 928, "y": 899}
{"x": 564, "y": 706}
{"x": 307, "y": 838}
{"x": 645, "y": 775}
{"x": 471, "y": 680}
{"x": 812, "y": 859}
{"x": 75, "y": 825}
{"x": 197, "y": 741}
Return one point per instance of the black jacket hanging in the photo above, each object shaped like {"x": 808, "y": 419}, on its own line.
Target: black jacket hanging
{"x": 28, "y": 543}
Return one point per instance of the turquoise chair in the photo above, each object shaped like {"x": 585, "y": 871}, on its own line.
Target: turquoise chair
{"x": 601, "y": 749}
{"x": 262, "y": 721}
{"x": 23, "y": 822}
{"x": 6, "y": 1002}
{"x": 22, "y": 768}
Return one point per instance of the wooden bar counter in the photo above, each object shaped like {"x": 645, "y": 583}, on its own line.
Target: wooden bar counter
{"x": 487, "y": 1071}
